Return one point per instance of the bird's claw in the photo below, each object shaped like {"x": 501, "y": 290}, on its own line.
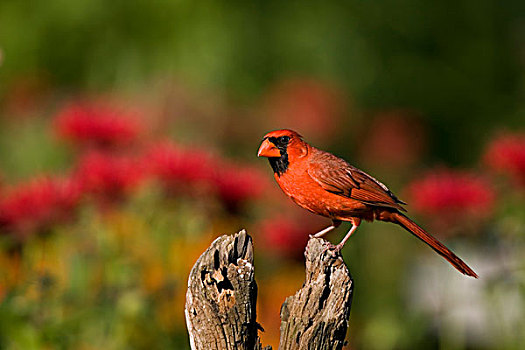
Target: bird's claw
{"x": 333, "y": 249}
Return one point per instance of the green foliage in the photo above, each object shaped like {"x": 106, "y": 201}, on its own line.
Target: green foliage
{"x": 115, "y": 276}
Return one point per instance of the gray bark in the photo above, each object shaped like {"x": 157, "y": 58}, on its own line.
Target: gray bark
{"x": 221, "y": 297}
{"x": 316, "y": 317}
{"x": 222, "y": 294}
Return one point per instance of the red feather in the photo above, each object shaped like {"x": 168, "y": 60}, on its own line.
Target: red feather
{"x": 329, "y": 186}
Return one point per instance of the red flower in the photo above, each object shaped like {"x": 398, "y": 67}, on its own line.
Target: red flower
{"x": 506, "y": 154}
{"x": 450, "y": 196}
{"x": 176, "y": 167}
{"x": 97, "y": 124}
{"x": 284, "y": 236}
{"x": 307, "y": 105}
{"x": 395, "y": 138}
{"x": 186, "y": 170}
{"x": 237, "y": 184}
{"x": 38, "y": 204}
{"x": 109, "y": 177}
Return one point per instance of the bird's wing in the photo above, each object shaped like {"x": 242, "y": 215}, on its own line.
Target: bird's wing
{"x": 337, "y": 176}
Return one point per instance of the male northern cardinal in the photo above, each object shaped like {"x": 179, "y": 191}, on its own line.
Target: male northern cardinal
{"x": 327, "y": 185}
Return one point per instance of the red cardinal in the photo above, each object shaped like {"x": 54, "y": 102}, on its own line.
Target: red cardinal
{"x": 327, "y": 185}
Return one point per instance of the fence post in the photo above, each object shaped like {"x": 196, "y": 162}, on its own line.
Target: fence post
{"x": 222, "y": 295}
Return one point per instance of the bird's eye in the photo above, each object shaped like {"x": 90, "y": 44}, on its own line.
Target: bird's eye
{"x": 284, "y": 139}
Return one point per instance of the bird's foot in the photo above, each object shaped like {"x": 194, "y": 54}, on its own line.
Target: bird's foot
{"x": 333, "y": 249}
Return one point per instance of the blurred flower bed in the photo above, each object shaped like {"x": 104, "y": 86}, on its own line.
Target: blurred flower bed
{"x": 128, "y": 133}
{"x": 105, "y": 204}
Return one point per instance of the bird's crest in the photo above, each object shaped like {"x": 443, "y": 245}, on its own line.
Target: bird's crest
{"x": 283, "y": 132}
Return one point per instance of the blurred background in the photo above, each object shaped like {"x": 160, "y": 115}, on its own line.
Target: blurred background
{"x": 128, "y": 139}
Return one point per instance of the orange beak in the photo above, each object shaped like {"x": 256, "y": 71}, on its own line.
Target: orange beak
{"x": 268, "y": 150}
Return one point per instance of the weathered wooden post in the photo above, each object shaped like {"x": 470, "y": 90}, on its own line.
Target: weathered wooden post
{"x": 222, "y": 294}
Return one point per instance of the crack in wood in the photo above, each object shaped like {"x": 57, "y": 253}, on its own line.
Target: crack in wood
{"x": 222, "y": 294}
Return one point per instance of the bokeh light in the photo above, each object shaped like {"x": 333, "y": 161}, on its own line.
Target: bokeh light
{"x": 128, "y": 140}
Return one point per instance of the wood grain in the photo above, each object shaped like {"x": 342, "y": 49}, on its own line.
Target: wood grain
{"x": 222, "y": 296}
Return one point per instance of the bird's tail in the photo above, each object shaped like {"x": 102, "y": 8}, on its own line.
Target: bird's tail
{"x": 438, "y": 247}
